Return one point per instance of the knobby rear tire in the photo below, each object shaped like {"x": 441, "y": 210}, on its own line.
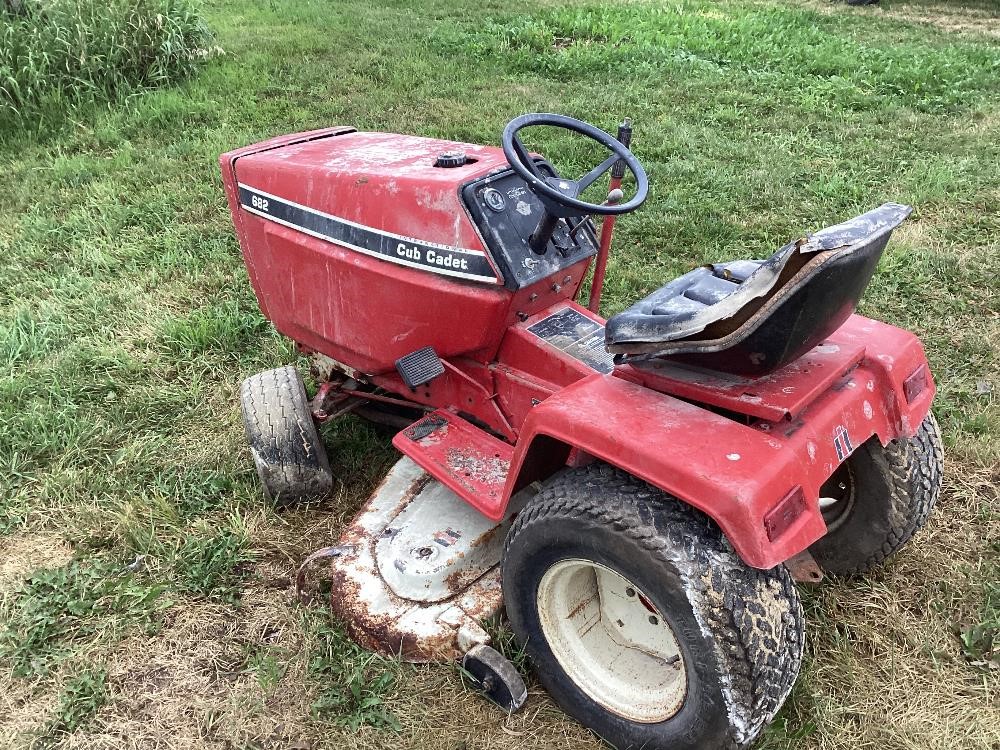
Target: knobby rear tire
{"x": 896, "y": 487}
{"x": 740, "y": 630}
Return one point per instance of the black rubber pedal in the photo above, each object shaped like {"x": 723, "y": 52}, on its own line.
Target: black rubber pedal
{"x": 419, "y": 367}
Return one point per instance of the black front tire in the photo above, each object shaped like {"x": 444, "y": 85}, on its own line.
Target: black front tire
{"x": 739, "y": 630}
{"x": 888, "y": 495}
{"x": 286, "y": 447}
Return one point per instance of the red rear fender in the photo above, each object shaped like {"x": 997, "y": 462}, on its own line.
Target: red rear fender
{"x": 759, "y": 482}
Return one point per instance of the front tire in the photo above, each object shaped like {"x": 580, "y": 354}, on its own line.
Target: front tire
{"x": 640, "y": 619}
{"x": 286, "y": 447}
{"x": 881, "y": 496}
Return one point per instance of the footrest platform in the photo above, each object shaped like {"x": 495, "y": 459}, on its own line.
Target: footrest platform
{"x": 465, "y": 459}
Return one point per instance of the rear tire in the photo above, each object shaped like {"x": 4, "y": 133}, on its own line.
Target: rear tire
{"x": 286, "y": 447}
{"x": 888, "y": 494}
{"x": 701, "y": 650}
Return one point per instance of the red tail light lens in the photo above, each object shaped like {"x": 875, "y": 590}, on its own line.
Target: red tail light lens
{"x": 916, "y": 384}
{"x": 781, "y": 517}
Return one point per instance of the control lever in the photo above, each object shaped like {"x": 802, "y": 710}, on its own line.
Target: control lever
{"x": 539, "y": 239}
{"x": 608, "y": 225}
{"x": 615, "y": 196}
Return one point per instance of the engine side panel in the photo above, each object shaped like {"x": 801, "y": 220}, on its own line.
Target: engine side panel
{"x": 361, "y": 247}
{"x": 358, "y": 247}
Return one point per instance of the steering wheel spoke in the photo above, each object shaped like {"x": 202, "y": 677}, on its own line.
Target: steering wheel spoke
{"x": 525, "y": 158}
{"x": 588, "y": 179}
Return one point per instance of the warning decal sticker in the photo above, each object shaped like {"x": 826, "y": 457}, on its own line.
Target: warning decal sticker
{"x": 572, "y": 332}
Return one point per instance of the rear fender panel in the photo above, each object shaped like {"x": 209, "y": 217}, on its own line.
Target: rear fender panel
{"x": 736, "y": 473}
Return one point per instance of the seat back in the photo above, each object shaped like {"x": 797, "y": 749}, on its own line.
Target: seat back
{"x": 817, "y": 287}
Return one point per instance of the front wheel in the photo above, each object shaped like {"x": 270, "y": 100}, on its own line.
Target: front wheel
{"x": 286, "y": 447}
{"x": 641, "y": 621}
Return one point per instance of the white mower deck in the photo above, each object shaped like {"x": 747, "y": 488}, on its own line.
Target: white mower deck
{"x": 418, "y": 569}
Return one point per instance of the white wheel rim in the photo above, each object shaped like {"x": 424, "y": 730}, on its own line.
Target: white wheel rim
{"x": 611, "y": 641}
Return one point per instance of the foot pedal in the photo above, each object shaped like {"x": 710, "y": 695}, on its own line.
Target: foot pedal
{"x": 419, "y": 367}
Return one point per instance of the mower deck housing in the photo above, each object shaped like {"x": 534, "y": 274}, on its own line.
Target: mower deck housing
{"x": 416, "y": 572}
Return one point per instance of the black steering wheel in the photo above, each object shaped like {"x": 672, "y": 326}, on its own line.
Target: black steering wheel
{"x": 558, "y": 194}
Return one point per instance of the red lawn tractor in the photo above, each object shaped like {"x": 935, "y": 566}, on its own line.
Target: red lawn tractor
{"x": 639, "y": 494}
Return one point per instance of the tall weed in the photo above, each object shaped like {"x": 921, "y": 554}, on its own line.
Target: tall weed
{"x": 55, "y": 54}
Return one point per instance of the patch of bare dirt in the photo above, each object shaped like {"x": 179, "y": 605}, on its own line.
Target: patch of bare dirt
{"x": 195, "y": 684}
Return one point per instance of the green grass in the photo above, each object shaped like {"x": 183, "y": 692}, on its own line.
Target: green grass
{"x": 220, "y": 327}
{"x": 127, "y": 322}
{"x": 208, "y": 561}
{"x": 82, "y": 697}
{"x": 57, "y": 610}
{"x": 56, "y": 54}
{"x": 357, "y": 684}
{"x": 981, "y": 638}
{"x": 770, "y": 52}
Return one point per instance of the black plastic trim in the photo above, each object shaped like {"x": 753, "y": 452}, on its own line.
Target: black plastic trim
{"x": 505, "y": 233}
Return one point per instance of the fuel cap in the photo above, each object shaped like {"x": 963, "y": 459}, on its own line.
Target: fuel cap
{"x": 450, "y": 159}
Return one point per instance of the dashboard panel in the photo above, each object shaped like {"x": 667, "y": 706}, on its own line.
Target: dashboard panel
{"x": 507, "y": 212}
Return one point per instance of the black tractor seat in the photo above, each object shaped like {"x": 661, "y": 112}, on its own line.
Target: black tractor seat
{"x": 750, "y": 317}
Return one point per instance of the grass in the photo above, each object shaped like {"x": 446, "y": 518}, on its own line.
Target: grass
{"x": 208, "y": 563}
{"x": 82, "y": 697}
{"x": 357, "y": 683}
{"x": 57, "y": 610}
{"x": 55, "y": 54}
{"x": 981, "y": 639}
{"x": 133, "y": 540}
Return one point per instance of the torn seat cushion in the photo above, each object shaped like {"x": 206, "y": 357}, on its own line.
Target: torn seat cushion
{"x": 691, "y": 302}
{"x": 713, "y": 301}
{"x": 708, "y": 302}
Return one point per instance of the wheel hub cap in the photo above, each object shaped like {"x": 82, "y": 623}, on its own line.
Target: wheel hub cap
{"x": 837, "y": 496}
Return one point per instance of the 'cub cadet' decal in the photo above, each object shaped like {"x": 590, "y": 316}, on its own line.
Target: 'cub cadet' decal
{"x": 447, "y": 260}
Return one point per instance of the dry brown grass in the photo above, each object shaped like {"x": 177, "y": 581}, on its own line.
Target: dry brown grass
{"x": 952, "y": 18}
{"x": 189, "y": 686}
{"x": 22, "y": 553}
{"x": 24, "y": 709}
{"x": 886, "y": 668}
